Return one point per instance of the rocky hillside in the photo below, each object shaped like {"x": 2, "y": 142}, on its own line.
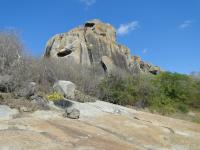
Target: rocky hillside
{"x": 42, "y": 109}
{"x": 94, "y": 43}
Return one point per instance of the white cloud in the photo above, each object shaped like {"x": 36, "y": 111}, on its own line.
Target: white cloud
{"x": 127, "y": 28}
{"x": 88, "y": 2}
{"x": 186, "y": 24}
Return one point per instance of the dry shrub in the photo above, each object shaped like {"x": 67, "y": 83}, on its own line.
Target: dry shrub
{"x": 46, "y": 72}
{"x": 10, "y": 51}
{"x": 86, "y": 78}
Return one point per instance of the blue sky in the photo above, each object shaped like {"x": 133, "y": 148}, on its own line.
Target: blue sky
{"x": 163, "y": 32}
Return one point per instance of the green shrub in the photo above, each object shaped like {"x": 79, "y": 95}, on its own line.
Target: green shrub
{"x": 165, "y": 93}
{"x": 117, "y": 90}
{"x": 124, "y": 91}
{"x": 174, "y": 92}
{"x": 183, "y": 108}
{"x": 162, "y": 104}
{"x": 196, "y": 120}
{"x": 55, "y": 96}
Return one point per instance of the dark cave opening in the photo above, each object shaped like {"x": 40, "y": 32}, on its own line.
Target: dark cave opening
{"x": 104, "y": 67}
{"x": 64, "y": 53}
{"x": 90, "y": 25}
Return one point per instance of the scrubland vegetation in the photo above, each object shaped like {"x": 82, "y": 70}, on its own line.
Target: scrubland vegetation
{"x": 165, "y": 93}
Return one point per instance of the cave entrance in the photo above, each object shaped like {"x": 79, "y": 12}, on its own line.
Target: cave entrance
{"x": 64, "y": 53}
{"x": 89, "y": 24}
{"x": 104, "y": 66}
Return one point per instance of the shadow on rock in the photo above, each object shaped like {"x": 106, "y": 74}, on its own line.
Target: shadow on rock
{"x": 63, "y": 103}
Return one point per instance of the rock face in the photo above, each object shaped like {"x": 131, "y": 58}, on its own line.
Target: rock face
{"x": 94, "y": 43}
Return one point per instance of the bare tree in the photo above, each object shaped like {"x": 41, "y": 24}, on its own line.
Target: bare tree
{"x": 10, "y": 51}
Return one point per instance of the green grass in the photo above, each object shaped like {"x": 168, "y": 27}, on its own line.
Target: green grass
{"x": 196, "y": 120}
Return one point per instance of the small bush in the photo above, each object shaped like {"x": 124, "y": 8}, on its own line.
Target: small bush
{"x": 196, "y": 120}
{"x": 55, "y": 96}
{"x": 162, "y": 105}
{"x": 183, "y": 108}
{"x": 126, "y": 90}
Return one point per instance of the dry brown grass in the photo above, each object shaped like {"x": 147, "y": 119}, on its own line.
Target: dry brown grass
{"x": 17, "y": 103}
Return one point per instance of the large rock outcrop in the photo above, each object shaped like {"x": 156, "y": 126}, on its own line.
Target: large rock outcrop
{"x": 94, "y": 43}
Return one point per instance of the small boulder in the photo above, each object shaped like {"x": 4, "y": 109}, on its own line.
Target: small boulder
{"x": 6, "y": 83}
{"x": 40, "y": 101}
{"x": 27, "y": 90}
{"x": 71, "y": 113}
{"x": 66, "y": 88}
{"x": 24, "y": 109}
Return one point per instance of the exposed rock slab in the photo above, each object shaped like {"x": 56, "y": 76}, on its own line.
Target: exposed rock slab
{"x": 7, "y": 113}
{"x": 102, "y": 126}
